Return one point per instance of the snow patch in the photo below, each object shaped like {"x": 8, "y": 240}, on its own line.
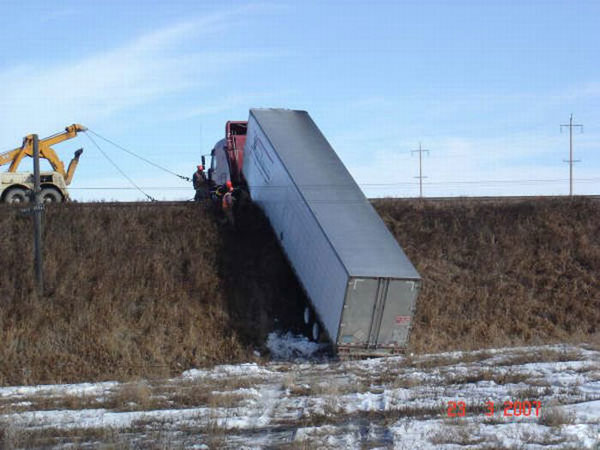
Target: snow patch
{"x": 290, "y": 347}
{"x": 280, "y": 402}
{"x": 58, "y": 389}
{"x": 227, "y": 370}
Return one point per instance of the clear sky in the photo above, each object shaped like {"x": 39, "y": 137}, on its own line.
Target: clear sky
{"x": 484, "y": 85}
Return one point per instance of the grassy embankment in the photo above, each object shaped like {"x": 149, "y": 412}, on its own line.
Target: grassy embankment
{"x": 153, "y": 290}
{"x": 501, "y": 273}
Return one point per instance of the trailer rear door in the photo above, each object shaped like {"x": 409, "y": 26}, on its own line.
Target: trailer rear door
{"x": 358, "y": 311}
{"x": 377, "y": 312}
{"x": 397, "y": 313}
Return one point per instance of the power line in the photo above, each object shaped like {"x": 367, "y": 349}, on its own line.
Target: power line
{"x": 420, "y": 177}
{"x": 571, "y": 160}
{"x": 375, "y": 185}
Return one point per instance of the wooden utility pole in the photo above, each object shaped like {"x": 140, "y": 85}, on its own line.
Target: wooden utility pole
{"x": 420, "y": 177}
{"x": 571, "y": 160}
{"x": 38, "y": 211}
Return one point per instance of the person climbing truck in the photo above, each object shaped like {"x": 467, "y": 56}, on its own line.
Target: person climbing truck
{"x": 200, "y": 184}
{"x": 227, "y": 204}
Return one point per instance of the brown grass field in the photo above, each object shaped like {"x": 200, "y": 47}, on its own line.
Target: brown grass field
{"x": 501, "y": 273}
{"x": 151, "y": 290}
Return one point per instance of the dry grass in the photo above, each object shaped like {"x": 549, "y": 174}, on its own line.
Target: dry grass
{"x": 149, "y": 291}
{"x": 504, "y": 273}
{"x": 133, "y": 396}
{"x": 141, "y": 396}
{"x": 488, "y": 374}
{"x": 543, "y": 355}
{"x": 556, "y": 416}
{"x": 105, "y": 438}
{"x": 546, "y": 439}
{"x": 390, "y": 379}
{"x": 462, "y": 435}
{"x": 530, "y": 393}
{"x": 315, "y": 388}
{"x": 332, "y": 415}
{"x": 136, "y": 291}
{"x": 430, "y": 361}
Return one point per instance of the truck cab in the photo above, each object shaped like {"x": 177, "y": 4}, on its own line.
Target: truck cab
{"x": 227, "y": 156}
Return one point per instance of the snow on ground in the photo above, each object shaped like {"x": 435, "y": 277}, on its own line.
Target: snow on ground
{"x": 541, "y": 397}
{"x": 291, "y": 347}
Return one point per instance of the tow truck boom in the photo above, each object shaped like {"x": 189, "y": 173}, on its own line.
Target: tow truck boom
{"x": 15, "y": 187}
{"x": 14, "y": 157}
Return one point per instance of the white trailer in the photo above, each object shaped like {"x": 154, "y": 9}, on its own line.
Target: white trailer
{"x": 361, "y": 285}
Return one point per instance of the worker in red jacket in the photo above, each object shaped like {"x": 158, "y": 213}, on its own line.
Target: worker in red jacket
{"x": 227, "y": 203}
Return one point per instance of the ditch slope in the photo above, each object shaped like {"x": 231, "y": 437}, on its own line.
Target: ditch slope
{"x": 150, "y": 290}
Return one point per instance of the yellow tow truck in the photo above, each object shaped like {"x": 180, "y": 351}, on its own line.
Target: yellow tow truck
{"x": 17, "y": 187}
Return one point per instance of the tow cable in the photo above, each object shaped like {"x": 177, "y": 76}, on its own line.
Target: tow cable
{"x": 152, "y": 199}
{"x": 140, "y": 157}
{"x": 132, "y": 153}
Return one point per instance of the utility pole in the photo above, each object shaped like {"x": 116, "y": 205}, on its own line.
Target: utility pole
{"x": 571, "y": 160}
{"x": 420, "y": 177}
{"x": 38, "y": 210}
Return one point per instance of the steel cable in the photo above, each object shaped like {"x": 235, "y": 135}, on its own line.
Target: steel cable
{"x": 152, "y": 199}
{"x": 140, "y": 157}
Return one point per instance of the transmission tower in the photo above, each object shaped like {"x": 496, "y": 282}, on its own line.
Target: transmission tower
{"x": 571, "y": 160}
{"x": 420, "y": 177}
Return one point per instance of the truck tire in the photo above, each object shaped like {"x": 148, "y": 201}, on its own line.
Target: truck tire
{"x": 17, "y": 196}
{"x": 308, "y": 317}
{"x": 51, "y": 195}
{"x": 316, "y": 331}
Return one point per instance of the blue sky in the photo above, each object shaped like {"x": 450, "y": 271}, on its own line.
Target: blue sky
{"x": 484, "y": 85}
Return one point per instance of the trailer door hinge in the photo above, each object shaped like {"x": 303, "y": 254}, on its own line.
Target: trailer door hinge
{"x": 355, "y": 281}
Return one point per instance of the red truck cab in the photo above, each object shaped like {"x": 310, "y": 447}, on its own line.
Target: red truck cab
{"x": 227, "y": 157}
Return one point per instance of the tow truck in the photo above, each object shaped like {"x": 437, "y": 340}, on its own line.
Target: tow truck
{"x": 17, "y": 187}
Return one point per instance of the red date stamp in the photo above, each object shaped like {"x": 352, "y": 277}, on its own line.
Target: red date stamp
{"x": 509, "y": 408}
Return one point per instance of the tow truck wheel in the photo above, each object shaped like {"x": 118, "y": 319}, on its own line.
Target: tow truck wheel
{"x": 17, "y": 196}
{"x": 51, "y": 195}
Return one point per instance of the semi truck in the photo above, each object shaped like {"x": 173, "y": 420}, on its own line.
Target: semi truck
{"x": 16, "y": 187}
{"x": 361, "y": 286}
